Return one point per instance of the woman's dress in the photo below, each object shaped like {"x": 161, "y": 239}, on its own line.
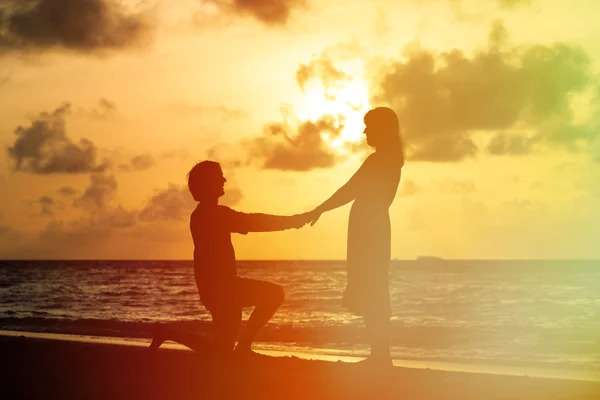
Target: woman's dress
{"x": 369, "y": 234}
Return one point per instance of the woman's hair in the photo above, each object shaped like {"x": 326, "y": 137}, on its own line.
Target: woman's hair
{"x": 386, "y": 122}
{"x": 201, "y": 174}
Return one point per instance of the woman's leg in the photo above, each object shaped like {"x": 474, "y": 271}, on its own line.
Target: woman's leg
{"x": 266, "y": 297}
{"x": 378, "y": 332}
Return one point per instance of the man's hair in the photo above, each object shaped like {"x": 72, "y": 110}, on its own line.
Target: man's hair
{"x": 199, "y": 175}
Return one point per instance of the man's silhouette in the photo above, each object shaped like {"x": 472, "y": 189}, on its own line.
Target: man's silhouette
{"x": 221, "y": 291}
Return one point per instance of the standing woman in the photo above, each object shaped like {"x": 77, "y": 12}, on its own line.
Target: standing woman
{"x": 372, "y": 188}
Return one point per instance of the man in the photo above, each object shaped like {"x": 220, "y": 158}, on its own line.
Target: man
{"x": 221, "y": 291}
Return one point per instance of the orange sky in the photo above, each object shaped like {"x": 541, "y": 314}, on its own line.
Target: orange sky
{"x": 499, "y": 107}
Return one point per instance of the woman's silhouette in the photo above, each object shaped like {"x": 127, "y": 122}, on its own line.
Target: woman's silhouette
{"x": 372, "y": 188}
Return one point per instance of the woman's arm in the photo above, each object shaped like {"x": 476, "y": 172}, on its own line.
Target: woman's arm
{"x": 346, "y": 193}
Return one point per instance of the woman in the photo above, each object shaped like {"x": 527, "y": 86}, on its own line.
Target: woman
{"x": 372, "y": 188}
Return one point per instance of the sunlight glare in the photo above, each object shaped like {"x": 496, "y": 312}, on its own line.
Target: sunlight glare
{"x": 350, "y": 101}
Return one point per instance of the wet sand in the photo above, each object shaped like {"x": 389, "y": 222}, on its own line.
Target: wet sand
{"x": 34, "y": 368}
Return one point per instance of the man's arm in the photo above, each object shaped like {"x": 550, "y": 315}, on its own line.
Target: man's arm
{"x": 256, "y": 222}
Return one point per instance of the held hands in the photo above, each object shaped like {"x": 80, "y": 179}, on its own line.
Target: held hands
{"x": 299, "y": 220}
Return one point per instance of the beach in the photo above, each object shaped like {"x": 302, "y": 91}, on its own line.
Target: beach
{"x": 49, "y": 368}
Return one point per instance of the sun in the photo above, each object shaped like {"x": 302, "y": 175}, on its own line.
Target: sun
{"x": 349, "y": 99}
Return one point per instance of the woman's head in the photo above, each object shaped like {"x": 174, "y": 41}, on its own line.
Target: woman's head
{"x": 383, "y": 129}
{"x": 382, "y": 126}
{"x": 206, "y": 181}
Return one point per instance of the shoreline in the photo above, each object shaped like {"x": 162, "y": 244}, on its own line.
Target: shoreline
{"x": 500, "y": 370}
{"x": 37, "y": 368}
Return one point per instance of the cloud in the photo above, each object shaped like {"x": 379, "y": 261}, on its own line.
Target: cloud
{"x": 48, "y": 204}
{"x": 109, "y": 230}
{"x": 82, "y": 236}
{"x": 173, "y": 203}
{"x": 320, "y": 68}
{"x": 269, "y": 12}
{"x": 176, "y": 203}
{"x": 81, "y": 26}
{"x": 98, "y": 194}
{"x": 140, "y": 162}
{"x": 67, "y": 191}
{"x": 44, "y": 148}
{"x": 443, "y": 99}
{"x": 222, "y": 112}
{"x": 104, "y": 110}
{"x": 281, "y": 148}
{"x": 515, "y": 145}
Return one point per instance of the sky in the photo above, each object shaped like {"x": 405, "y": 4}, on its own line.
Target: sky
{"x": 105, "y": 105}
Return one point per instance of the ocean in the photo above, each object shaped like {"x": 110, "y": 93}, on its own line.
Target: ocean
{"x": 507, "y": 313}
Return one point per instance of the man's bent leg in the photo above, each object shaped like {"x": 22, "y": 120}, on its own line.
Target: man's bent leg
{"x": 266, "y": 297}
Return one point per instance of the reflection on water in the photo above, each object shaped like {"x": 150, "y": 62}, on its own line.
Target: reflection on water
{"x": 511, "y": 312}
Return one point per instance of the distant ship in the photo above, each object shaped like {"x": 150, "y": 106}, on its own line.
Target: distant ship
{"x": 429, "y": 259}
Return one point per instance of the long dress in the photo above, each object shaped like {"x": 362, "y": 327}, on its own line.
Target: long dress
{"x": 369, "y": 235}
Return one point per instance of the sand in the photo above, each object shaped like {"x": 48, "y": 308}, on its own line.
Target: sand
{"x": 34, "y": 368}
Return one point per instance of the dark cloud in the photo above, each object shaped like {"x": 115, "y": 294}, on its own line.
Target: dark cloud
{"x": 106, "y": 230}
{"x": 221, "y": 112}
{"x": 282, "y": 148}
{"x": 101, "y": 191}
{"x": 8, "y": 239}
{"x": 48, "y": 204}
{"x": 452, "y": 148}
{"x": 140, "y": 162}
{"x": 67, "y": 191}
{"x": 443, "y": 99}
{"x": 322, "y": 69}
{"x": 514, "y": 145}
{"x": 83, "y": 26}
{"x": 269, "y": 12}
{"x": 104, "y": 110}
{"x": 84, "y": 235}
{"x": 176, "y": 203}
{"x": 44, "y": 148}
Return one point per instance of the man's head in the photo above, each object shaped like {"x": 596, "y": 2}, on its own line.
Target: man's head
{"x": 206, "y": 181}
